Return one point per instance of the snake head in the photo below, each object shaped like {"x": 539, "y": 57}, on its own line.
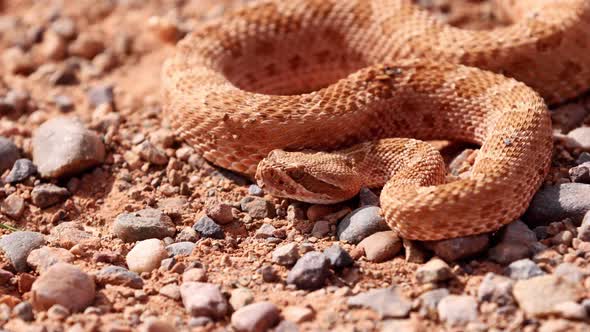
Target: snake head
{"x": 313, "y": 177}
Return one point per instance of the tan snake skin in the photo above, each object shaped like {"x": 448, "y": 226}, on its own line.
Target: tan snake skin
{"x": 327, "y": 74}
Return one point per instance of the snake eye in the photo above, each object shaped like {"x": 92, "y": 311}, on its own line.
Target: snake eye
{"x": 297, "y": 174}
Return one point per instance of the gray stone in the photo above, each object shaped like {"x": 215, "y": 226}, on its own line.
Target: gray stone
{"x": 381, "y": 246}
{"x": 47, "y": 194}
{"x": 100, "y": 94}
{"x": 18, "y": 245}
{"x": 580, "y": 137}
{"x": 63, "y": 284}
{"x": 257, "y": 317}
{"x": 255, "y": 190}
{"x": 268, "y": 273}
{"x": 8, "y": 154}
{"x": 436, "y": 270}
{"x": 286, "y": 255}
{"x": 310, "y": 271}
{"x": 171, "y": 291}
{"x": 555, "y": 203}
{"x": 180, "y": 249}
{"x": 203, "y": 299}
{"x": 265, "y": 231}
{"x": 505, "y": 253}
{"x": 570, "y": 272}
{"x": 142, "y": 225}
{"x": 458, "y": 248}
{"x": 361, "y": 223}
{"x": 63, "y": 146}
{"x": 149, "y": 152}
{"x": 457, "y": 309}
{"x": 206, "y": 227}
{"x": 24, "y": 311}
{"x": 116, "y": 275}
{"x": 584, "y": 157}
{"x": 429, "y": 301}
{"x": 538, "y": 296}
{"x": 523, "y": 269}
{"x": 496, "y": 288}
{"x": 339, "y": 258}
{"x": 387, "y": 302}
{"x": 257, "y": 207}
{"x": 22, "y": 169}
{"x": 220, "y": 212}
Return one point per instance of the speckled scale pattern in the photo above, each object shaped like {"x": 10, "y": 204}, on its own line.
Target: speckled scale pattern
{"x": 327, "y": 74}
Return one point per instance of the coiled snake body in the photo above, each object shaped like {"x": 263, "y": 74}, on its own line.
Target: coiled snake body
{"x": 324, "y": 75}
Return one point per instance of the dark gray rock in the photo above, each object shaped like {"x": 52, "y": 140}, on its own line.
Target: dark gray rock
{"x": 310, "y": 271}
{"x": 339, "y": 258}
{"x": 142, "y": 225}
{"x": 180, "y": 249}
{"x": 18, "y": 245}
{"x": 458, "y": 248}
{"x": 257, "y": 207}
{"x": 555, "y": 203}
{"x": 48, "y": 194}
{"x": 116, "y": 275}
{"x": 22, "y": 169}
{"x": 523, "y": 269}
{"x": 206, "y": 227}
{"x": 8, "y": 154}
{"x": 361, "y": 223}
{"x": 387, "y": 302}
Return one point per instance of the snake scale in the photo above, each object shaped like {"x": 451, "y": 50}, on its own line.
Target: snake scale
{"x": 334, "y": 82}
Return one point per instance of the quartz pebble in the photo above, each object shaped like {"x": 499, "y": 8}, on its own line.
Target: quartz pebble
{"x": 206, "y": 227}
{"x": 310, "y": 271}
{"x": 361, "y": 223}
{"x": 387, "y": 302}
{"x": 146, "y": 255}
{"x": 381, "y": 246}
{"x": 22, "y": 169}
{"x": 523, "y": 269}
{"x": 13, "y": 206}
{"x": 63, "y": 284}
{"x": 257, "y": 317}
{"x": 63, "y": 146}
{"x": 18, "y": 245}
{"x": 203, "y": 299}
{"x": 142, "y": 225}
{"x": 455, "y": 249}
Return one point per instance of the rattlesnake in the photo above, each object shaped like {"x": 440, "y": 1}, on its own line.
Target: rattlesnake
{"x": 327, "y": 74}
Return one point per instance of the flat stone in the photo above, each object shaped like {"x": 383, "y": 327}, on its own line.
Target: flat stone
{"x": 62, "y": 146}
{"x": 194, "y": 274}
{"x": 8, "y": 154}
{"x": 387, "y": 302}
{"x": 180, "y": 249}
{"x": 203, "y": 299}
{"x": 523, "y": 269}
{"x": 286, "y": 255}
{"x": 63, "y": 284}
{"x": 13, "y": 206}
{"x": 47, "y": 194}
{"x": 257, "y": 317}
{"x": 457, "y": 309}
{"x": 42, "y": 258}
{"x": 361, "y": 223}
{"x": 146, "y": 255}
{"x": 265, "y": 231}
{"x": 459, "y": 248}
{"x": 257, "y": 207}
{"x": 495, "y": 288}
{"x": 18, "y": 245}
{"x": 68, "y": 234}
{"x": 22, "y": 169}
{"x": 435, "y": 270}
{"x": 555, "y": 203}
{"x": 206, "y": 227}
{"x": 310, "y": 271}
{"x": 381, "y": 246}
{"x": 339, "y": 258}
{"x": 120, "y": 276}
{"x": 142, "y": 225}
{"x": 538, "y": 296}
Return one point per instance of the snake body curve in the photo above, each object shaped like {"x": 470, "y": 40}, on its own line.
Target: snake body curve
{"x": 328, "y": 74}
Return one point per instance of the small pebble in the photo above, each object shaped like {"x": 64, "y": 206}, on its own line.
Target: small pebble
{"x": 570, "y": 272}
{"x": 203, "y": 299}
{"x": 194, "y": 274}
{"x": 265, "y": 231}
{"x": 146, "y": 255}
{"x": 320, "y": 229}
{"x": 142, "y": 225}
{"x": 429, "y": 301}
{"x": 155, "y": 325}
{"x": 523, "y": 269}
{"x": 286, "y": 255}
{"x": 47, "y": 194}
{"x": 257, "y": 317}
{"x": 22, "y": 169}
{"x": 180, "y": 249}
{"x": 255, "y": 190}
{"x": 100, "y": 94}
{"x": 435, "y": 270}
{"x": 310, "y": 271}
{"x": 68, "y": 234}
{"x": 584, "y": 229}
{"x": 338, "y": 257}
{"x": 171, "y": 291}
{"x": 18, "y": 245}
{"x": 220, "y": 212}
{"x": 381, "y": 246}
{"x": 13, "y": 206}
{"x": 63, "y": 284}
{"x": 496, "y": 288}
{"x": 361, "y": 223}
{"x": 120, "y": 276}
{"x": 457, "y": 309}
{"x": 24, "y": 311}
{"x": 298, "y": 314}
{"x": 206, "y": 227}
{"x": 455, "y": 249}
